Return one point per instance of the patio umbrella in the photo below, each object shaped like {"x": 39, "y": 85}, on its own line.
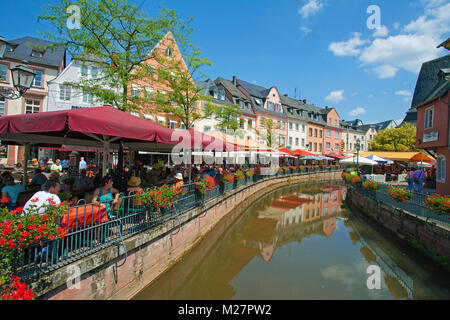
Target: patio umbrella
{"x": 424, "y": 164}
{"x": 299, "y": 153}
{"x": 311, "y": 158}
{"x": 362, "y": 161}
{"x": 379, "y": 159}
{"x": 325, "y": 158}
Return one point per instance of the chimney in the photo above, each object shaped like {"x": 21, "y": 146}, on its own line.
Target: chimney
{"x": 305, "y": 101}
{"x": 234, "y": 80}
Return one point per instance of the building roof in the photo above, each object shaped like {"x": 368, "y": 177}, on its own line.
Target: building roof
{"x": 428, "y": 78}
{"x": 440, "y": 89}
{"x": 206, "y": 87}
{"x": 382, "y": 125}
{"x": 23, "y": 47}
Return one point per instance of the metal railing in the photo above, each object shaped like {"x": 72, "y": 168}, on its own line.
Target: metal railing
{"x": 89, "y": 231}
{"x": 416, "y": 205}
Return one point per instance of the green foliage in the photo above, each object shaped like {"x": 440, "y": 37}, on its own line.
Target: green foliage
{"x": 268, "y": 132}
{"x": 401, "y": 139}
{"x": 119, "y": 36}
{"x": 227, "y": 116}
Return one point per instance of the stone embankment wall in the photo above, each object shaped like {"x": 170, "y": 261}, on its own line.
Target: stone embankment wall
{"x": 108, "y": 275}
{"x": 432, "y": 240}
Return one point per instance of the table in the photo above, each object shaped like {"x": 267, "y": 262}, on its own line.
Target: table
{"x": 79, "y": 217}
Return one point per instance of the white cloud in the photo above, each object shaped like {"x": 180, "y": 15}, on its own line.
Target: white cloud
{"x": 404, "y": 93}
{"x": 382, "y": 32}
{"x": 408, "y": 50}
{"x": 349, "y": 47}
{"x": 357, "y": 112}
{"x": 385, "y": 71}
{"x": 305, "y": 30}
{"x": 335, "y": 96}
{"x": 312, "y": 7}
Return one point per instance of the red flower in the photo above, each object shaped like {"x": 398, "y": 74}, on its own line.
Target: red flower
{"x": 4, "y": 200}
{"x": 35, "y": 200}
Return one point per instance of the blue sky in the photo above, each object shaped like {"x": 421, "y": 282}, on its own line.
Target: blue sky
{"x": 321, "y": 47}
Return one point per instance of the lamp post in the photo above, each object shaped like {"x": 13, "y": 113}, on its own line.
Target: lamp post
{"x": 358, "y": 147}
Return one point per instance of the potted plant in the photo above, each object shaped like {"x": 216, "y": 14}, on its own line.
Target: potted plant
{"x": 250, "y": 173}
{"x": 399, "y": 194}
{"x": 206, "y": 184}
{"x": 356, "y": 180}
{"x": 228, "y": 179}
{"x": 439, "y": 204}
{"x": 239, "y": 176}
{"x": 370, "y": 185}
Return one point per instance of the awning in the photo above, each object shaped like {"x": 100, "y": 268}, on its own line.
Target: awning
{"x": 399, "y": 156}
{"x": 285, "y": 150}
{"x": 299, "y": 153}
{"x": 336, "y": 156}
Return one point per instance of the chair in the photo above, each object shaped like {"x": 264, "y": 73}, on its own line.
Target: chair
{"x": 23, "y": 198}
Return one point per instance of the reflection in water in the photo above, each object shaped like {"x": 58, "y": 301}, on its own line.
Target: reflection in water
{"x": 298, "y": 243}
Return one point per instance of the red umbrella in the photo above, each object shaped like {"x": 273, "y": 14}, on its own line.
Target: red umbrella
{"x": 299, "y": 153}
{"x": 286, "y": 150}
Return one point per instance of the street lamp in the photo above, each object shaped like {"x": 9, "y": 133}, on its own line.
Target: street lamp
{"x": 358, "y": 147}
{"x": 22, "y": 78}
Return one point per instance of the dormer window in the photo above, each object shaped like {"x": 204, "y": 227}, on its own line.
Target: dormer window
{"x": 169, "y": 52}
{"x": 37, "y": 54}
{"x": 222, "y": 94}
{"x": 258, "y": 102}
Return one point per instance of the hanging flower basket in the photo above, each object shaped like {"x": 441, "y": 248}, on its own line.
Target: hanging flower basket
{"x": 370, "y": 185}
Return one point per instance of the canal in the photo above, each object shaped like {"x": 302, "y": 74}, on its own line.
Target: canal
{"x": 299, "y": 242}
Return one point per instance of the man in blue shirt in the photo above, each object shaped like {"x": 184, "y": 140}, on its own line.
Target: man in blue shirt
{"x": 65, "y": 165}
{"x": 83, "y": 164}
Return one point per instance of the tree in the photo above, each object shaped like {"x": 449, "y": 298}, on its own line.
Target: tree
{"x": 119, "y": 35}
{"x": 227, "y": 116}
{"x": 268, "y": 132}
{"x": 401, "y": 139}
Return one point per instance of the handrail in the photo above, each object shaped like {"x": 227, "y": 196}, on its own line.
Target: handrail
{"x": 92, "y": 233}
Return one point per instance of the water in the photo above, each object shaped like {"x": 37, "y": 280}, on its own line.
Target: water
{"x": 300, "y": 242}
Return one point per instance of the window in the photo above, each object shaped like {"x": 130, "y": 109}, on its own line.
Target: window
{"x": 290, "y": 141}
{"x": 303, "y": 142}
{"x": 37, "y": 54}
{"x": 169, "y": 52}
{"x": 320, "y": 133}
{"x": 258, "y": 102}
{"x": 335, "y": 122}
{"x": 148, "y": 91}
{"x": 283, "y": 125}
{"x": 37, "y": 79}
{"x": 94, "y": 72}
{"x": 320, "y": 147}
{"x": 250, "y": 123}
{"x": 32, "y": 106}
{"x": 291, "y": 125}
{"x": 310, "y": 132}
{"x": 336, "y": 146}
{"x": 3, "y": 72}
{"x": 241, "y": 123}
{"x": 325, "y": 199}
{"x": 296, "y": 142}
{"x": 297, "y": 127}
{"x": 87, "y": 97}
{"x": 303, "y": 128}
{"x": 270, "y": 105}
{"x": 181, "y": 125}
{"x": 429, "y": 117}
{"x": 440, "y": 172}
{"x": 283, "y": 141}
{"x": 331, "y": 121}
{"x": 64, "y": 93}
{"x": 315, "y": 132}
{"x": 2, "y": 106}
{"x": 135, "y": 90}
{"x": 327, "y": 146}
{"x": 370, "y": 137}
{"x": 336, "y": 134}
{"x": 84, "y": 71}
{"x": 315, "y": 147}
{"x": 350, "y": 146}
{"x": 328, "y": 133}
{"x": 221, "y": 94}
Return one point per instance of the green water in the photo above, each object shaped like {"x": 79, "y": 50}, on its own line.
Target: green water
{"x": 300, "y": 242}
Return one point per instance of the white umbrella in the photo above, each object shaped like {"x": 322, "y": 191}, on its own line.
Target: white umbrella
{"x": 362, "y": 161}
{"x": 378, "y": 159}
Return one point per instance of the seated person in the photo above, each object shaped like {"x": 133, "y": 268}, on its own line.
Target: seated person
{"x": 11, "y": 191}
{"x": 134, "y": 184}
{"x": 66, "y": 186}
{"x": 106, "y": 194}
{"x": 47, "y": 196}
{"x": 39, "y": 178}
